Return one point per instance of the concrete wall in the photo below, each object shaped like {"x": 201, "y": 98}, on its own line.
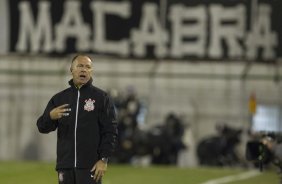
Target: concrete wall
{"x": 203, "y": 93}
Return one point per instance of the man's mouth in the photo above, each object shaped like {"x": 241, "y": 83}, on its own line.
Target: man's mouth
{"x": 82, "y": 76}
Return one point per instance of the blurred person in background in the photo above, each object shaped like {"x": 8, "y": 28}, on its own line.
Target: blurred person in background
{"x": 129, "y": 109}
{"x": 275, "y": 148}
{"x": 265, "y": 149}
{"x": 220, "y": 149}
{"x": 166, "y": 140}
{"x": 85, "y": 119}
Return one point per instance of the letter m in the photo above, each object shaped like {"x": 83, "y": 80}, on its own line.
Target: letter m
{"x": 36, "y": 34}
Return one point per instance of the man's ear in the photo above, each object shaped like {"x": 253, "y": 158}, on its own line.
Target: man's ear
{"x": 70, "y": 69}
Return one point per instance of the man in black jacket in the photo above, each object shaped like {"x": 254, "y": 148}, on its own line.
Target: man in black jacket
{"x": 85, "y": 120}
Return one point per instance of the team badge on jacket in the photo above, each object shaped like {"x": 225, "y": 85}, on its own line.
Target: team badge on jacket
{"x": 89, "y": 105}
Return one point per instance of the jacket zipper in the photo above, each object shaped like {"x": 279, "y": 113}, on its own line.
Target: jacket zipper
{"x": 76, "y": 117}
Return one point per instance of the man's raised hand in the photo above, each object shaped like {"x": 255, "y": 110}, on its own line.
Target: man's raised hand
{"x": 59, "y": 112}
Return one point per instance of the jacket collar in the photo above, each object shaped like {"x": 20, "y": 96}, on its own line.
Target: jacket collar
{"x": 89, "y": 83}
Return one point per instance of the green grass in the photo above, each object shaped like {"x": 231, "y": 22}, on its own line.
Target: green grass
{"x": 44, "y": 173}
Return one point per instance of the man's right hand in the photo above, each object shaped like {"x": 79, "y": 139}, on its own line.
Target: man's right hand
{"x": 59, "y": 112}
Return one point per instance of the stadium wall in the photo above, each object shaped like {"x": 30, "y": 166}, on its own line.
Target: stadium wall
{"x": 202, "y": 93}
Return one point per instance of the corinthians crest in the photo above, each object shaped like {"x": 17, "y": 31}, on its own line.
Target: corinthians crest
{"x": 61, "y": 177}
{"x": 89, "y": 105}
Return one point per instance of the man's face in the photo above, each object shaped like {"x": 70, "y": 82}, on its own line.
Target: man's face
{"x": 81, "y": 70}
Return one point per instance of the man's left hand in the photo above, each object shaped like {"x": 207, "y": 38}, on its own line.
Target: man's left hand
{"x": 99, "y": 170}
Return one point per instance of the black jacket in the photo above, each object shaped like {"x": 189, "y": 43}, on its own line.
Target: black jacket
{"x": 88, "y": 133}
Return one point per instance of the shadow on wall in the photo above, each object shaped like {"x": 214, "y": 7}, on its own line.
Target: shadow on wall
{"x": 31, "y": 151}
